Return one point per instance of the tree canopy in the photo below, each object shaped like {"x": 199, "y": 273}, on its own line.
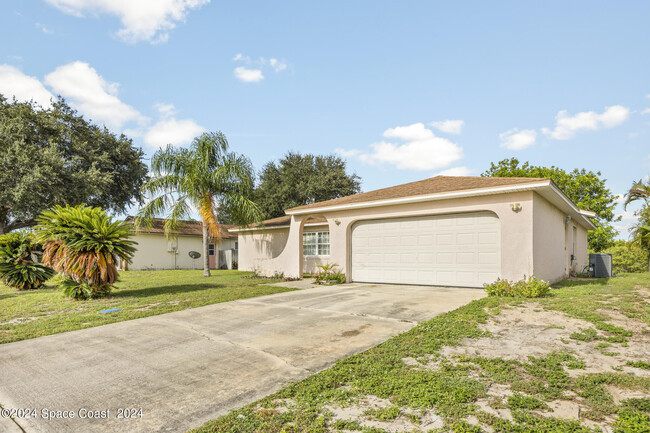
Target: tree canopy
{"x": 54, "y": 156}
{"x": 297, "y": 180}
{"x": 585, "y": 188}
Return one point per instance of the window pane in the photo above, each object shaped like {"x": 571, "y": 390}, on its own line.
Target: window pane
{"x": 309, "y": 238}
{"x": 323, "y": 243}
{"x": 309, "y": 250}
{"x": 323, "y": 249}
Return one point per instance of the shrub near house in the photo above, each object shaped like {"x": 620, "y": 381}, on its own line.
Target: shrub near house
{"x": 530, "y": 287}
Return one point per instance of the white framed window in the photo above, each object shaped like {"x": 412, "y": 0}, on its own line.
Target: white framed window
{"x": 211, "y": 249}
{"x": 316, "y": 243}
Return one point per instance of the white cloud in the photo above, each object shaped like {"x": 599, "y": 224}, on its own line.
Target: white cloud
{"x": 142, "y": 20}
{"x": 241, "y": 58}
{"x": 25, "y": 88}
{"x": 44, "y": 29}
{"x": 620, "y": 198}
{"x": 567, "y": 126}
{"x": 277, "y": 65}
{"x": 421, "y": 149}
{"x": 255, "y": 72}
{"x": 165, "y": 110}
{"x": 347, "y": 153}
{"x": 449, "y": 126}
{"x": 88, "y": 92}
{"x": 646, "y": 111}
{"x": 456, "y": 171}
{"x": 172, "y": 131}
{"x": 628, "y": 220}
{"x": 248, "y": 75}
{"x": 515, "y": 139}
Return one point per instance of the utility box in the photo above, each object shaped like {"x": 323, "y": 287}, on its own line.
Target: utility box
{"x": 600, "y": 265}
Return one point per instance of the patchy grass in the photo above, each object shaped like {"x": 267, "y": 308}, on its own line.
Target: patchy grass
{"x": 34, "y": 313}
{"x": 468, "y": 391}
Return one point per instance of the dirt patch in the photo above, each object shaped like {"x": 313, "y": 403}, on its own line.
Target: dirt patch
{"x": 524, "y": 331}
{"x": 18, "y": 321}
{"x": 428, "y": 420}
{"x": 147, "y": 307}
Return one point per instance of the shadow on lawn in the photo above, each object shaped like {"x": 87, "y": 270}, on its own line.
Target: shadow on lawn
{"x": 583, "y": 282}
{"x": 163, "y": 290}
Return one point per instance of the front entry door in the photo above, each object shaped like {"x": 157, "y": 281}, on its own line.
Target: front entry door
{"x": 212, "y": 256}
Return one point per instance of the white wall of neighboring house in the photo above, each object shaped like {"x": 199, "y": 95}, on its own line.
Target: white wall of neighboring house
{"x": 154, "y": 251}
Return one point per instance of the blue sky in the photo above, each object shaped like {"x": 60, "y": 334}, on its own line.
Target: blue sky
{"x": 403, "y": 90}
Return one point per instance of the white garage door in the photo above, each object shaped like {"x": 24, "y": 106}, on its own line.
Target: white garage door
{"x": 456, "y": 250}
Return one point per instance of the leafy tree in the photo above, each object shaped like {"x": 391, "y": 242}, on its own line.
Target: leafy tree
{"x": 18, "y": 268}
{"x": 585, "y": 188}
{"x": 303, "y": 179}
{"x": 207, "y": 177}
{"x": 84, "y": 244}
{"x": 628, "y": 257}
{"x": 53, "y": 156}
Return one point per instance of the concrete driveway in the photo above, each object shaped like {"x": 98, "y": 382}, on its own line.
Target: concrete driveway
{"x": 184, "y": 368}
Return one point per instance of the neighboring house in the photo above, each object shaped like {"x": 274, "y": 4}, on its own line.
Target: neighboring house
{"x": 451, "y": 231}
{"x": 157, "y": 251}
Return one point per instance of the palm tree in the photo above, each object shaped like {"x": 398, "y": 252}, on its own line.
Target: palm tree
{"x": 205, "y": 177}
{"x": 638, "y": 191}
{"x": 641, "y": 231}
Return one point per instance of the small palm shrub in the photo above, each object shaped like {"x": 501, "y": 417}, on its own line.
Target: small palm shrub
{"x": 84, "y": 244}
{"x": 328, "y": 275}
{"x": 531, "y": 287}
{"x": 17, "y": 266}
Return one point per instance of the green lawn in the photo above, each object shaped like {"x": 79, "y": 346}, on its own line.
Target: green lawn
{"x": 34, "y": 313}
{"x": 600, "y": 326}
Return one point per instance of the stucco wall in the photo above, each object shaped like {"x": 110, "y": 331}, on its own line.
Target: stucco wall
{"x": 516, "y": 233}
{"x": 257, "y": 248}
{"x": 152, "y": 252}
{"x": 552, "y": 239}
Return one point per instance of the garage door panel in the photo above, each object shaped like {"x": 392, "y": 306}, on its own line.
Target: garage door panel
{"x": 458, "y": 249}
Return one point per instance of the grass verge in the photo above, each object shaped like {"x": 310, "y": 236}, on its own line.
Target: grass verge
{"x": 35, "y": 313}
{"x": 416, "y": 384}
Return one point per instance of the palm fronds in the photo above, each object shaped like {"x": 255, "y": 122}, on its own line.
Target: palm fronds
{"x": 84, "y": 244}
{"x": 18, "y": 268}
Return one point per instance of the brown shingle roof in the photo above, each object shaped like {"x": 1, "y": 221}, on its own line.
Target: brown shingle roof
{"x": 432, "y": 185}
{"x": 189, "y": 228}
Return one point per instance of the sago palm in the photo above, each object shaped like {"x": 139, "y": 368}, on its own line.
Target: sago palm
{"x": 205, "y": 177}
{"x": 84, "y": 244}
{"x": 18, "y": 268}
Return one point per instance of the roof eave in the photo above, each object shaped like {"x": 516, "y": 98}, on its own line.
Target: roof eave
{"x": 421, "y": 198}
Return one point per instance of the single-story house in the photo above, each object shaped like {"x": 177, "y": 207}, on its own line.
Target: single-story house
{"x": 452, "y": 231}
{"x": 157, "y": 251}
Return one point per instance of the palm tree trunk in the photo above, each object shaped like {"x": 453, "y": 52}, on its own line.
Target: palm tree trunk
{"x": 206, "y": 251}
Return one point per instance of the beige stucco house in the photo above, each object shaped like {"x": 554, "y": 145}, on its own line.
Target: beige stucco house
{"x": 157, "y": 251}
{"x": 452, "y": 231}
